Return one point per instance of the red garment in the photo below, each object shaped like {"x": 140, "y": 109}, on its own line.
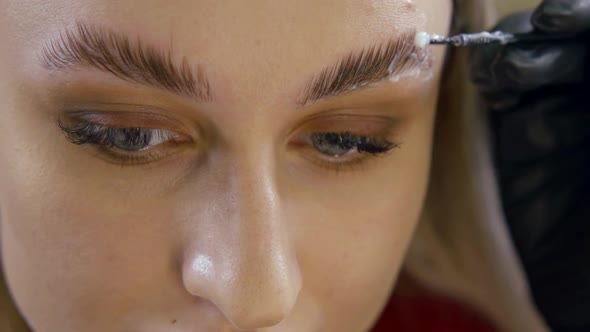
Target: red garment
{"x": 414, "y": 308}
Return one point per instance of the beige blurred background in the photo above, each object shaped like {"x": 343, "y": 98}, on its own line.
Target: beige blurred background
{"x": 508, "y": 6}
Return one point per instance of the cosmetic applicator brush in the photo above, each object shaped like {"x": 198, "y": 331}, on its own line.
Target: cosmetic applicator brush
{"x": 484, "y": 38}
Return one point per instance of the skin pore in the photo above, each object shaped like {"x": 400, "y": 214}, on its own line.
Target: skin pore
{"x": 238, "y": 216}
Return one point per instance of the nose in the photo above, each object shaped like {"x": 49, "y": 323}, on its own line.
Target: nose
{"x": 243, "y": 260}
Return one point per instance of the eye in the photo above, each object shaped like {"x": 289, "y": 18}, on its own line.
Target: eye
{"x": 338, "y": 150}
{"x": 339, "y": 144}
{"x": 329, "y": 144}
{"x": 135, "y": 139}
{"x": 124, "y": 145}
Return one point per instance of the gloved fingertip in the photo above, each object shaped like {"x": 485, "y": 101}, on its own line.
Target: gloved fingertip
{"x": 555, "y": 16}
{"x": 516, "y": 23}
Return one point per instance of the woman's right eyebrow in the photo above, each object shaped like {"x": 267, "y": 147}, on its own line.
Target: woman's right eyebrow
{"x": 105, "y": 50}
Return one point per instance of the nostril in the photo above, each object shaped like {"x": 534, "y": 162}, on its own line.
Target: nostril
{"x": 252, "y": 324}
{"x": 252, "y": 320}
{"x": 266, "y": 306}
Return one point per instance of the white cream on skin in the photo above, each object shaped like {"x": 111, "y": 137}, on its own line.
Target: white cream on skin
{"x": 423, "y": 56}
{"x": 422, "y": 39}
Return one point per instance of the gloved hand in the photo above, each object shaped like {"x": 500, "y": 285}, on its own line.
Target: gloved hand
{"x": 539, "y": 101}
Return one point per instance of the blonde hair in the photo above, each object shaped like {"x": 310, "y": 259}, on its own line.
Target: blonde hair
{"x": 461, "y": 247}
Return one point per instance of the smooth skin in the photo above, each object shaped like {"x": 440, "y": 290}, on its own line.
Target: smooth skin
{"x": 248, "y": 228}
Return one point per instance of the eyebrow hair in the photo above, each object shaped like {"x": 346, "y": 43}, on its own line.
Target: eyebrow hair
{"x": 397, "y": 56}
{"x": 107, "y": 51}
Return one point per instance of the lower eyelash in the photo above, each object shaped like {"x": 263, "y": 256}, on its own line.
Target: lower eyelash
{"x": 128, "y": 159}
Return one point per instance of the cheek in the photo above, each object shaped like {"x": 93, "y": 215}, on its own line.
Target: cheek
{"x": 64, "y": 244}
{"x": 350, "y": 260}
{"x": 355, "y": 234}
{"x": 82, "y": 252}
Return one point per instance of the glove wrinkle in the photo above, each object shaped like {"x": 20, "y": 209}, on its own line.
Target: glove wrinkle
{"x": 562, "y": 16}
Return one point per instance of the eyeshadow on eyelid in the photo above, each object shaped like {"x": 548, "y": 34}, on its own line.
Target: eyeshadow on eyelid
{"x": 124, "y": 119}
{"x": 350, "y": 122}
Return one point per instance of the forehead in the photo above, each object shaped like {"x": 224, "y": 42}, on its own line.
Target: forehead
{"x": 250, "y": 45}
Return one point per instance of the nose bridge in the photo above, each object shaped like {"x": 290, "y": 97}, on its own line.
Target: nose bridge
{"x": 250, "y": 273}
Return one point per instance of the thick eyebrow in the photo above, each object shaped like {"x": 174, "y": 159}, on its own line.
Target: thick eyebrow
{"x": 105, "y": 50}
{"x": 397, "y": 56}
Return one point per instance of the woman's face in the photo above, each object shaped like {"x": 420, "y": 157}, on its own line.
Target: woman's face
{"x": 274, "y": 182}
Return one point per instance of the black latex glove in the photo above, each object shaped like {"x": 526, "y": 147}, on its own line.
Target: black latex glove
{"x": 539, "y": 101}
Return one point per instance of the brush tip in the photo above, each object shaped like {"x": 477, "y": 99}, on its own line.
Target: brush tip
{"x": 422, "y": 39}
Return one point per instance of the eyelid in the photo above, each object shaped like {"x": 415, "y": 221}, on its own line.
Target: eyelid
{"x": 371, "y": 125}
{"x": 106, "y": 118}
{"x": 126, "y": 116}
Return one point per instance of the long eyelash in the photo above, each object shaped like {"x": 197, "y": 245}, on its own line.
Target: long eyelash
{"x": 88, "y": 133}
{"x": 104, "y": 137}
{"x": 85, "y": 132}
{"x": 363, "y": 144}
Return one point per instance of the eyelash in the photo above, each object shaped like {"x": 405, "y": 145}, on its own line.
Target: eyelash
{"x": 361, "y": 146}
{"x": 109, "y": 140}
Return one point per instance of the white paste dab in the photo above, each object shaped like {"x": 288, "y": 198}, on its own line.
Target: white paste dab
{"x": 422, "y": 39}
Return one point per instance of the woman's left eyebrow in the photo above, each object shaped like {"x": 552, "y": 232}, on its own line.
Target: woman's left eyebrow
{"x": 396, "y": 56}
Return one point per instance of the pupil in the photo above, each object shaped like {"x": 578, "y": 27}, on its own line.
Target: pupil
{"x": 131, "y": 139}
